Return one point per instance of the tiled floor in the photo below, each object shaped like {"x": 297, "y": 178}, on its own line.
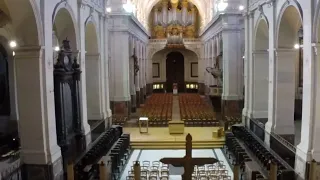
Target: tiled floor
{"x": 156, "y": 155}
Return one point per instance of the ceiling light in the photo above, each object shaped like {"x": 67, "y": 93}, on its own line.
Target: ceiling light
{"x": 108, "y": 9}
{"x": 13, "y": 53}
{"x": 241, "y": 7}
{"x": 13, "y": 44}
{"x": 57, "y": 48}
{"x": 222, "y": 6}
{"x": 296, "y": 46}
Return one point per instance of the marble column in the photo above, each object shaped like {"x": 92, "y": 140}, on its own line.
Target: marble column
{"x": 119, "y": 67}
{"x": 132, "y": 86}
{"x": 205, "y": 65}
{"x": 93, "y": 87}
{"x": 232, "y": 96}
{"x": 137, "y": 77}
{"x": 37, "y": 123}
{"x": 149, "y": 73}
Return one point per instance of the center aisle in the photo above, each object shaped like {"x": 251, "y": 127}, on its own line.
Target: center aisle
{"x": 175, "y": 108}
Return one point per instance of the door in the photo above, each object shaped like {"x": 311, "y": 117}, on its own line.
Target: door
{"x": 175, "y": 71}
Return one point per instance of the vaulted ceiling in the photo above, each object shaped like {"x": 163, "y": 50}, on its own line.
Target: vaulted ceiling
{"x": 144, "y": 8}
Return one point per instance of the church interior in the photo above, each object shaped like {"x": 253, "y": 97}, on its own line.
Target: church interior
{"x": 159, "y": 89}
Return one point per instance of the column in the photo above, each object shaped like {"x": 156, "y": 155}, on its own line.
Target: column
{"x": 285, "y": 93}
{"x": 205, "y": 66}
{"x": 212, "y": 61}
{"x": 102, "y": 68}
{"x": 37, "y": 123}
{"x": 82, "y": 56}
{"x": 93, "y": 87}
{"x": 142, "y": 68}
{"x": 132, "y": 86}
{"x": 137, "y": 77}
{"x": 260, "y": 84}
{"x": 309, "y": 147}
{"x": 119, "y": 67}
{"x": 106, "y": 73}
{"x": 250, "y": 69}
{"x": 246, "y": 70}
{"x": 145, "y": 72}
{"x": 232, "y": 74}
{"x": 201, "y": 72}
{"x": 149, "y": 73}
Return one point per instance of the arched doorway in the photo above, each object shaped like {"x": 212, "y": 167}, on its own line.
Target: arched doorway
{"x": 175, "y": 71}
{"x": 4, "y": 83}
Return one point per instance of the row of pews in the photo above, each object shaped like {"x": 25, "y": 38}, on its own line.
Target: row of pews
{"x": 195, "y": 111}
{"x": 119, "y": 120}
{"x": 241, "y": 142}
{"x": 158, "y": 108}
{"x": 105, "y": 157}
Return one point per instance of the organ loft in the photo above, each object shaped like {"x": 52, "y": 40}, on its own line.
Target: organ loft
{"x": 159, "y": 89}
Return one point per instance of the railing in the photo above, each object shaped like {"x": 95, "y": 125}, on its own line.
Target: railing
{"x": 191, "y": 40}
{"x": 158, "y": 41}
{"x": 277, "y": 137}
{"x": 13, "y": 171}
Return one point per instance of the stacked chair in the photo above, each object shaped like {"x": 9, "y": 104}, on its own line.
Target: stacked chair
{"x": 87, "y": 167}
{"x": 158, "y": 171}
{"x": 119, "y": 120}
{"x": 151, "y": 171}
{"x": 120, "y": 154}
{"x": 158, "y": 108}
{"x": 195, "y": 111}
{"x": 262, "y": 154}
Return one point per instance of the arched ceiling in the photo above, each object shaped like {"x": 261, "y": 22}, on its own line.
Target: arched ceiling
{"x": 204, "y": 7}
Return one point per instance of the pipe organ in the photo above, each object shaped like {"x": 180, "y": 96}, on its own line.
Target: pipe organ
{"x": 174, "y": 20}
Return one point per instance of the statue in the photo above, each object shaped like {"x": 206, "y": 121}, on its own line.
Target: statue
{"x": 135, "y": 61}
{"x": 216, "y": 71}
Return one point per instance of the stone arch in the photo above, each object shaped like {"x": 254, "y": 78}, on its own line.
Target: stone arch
{"x": 23, "y": 14}
{"x": 17, "y": 16}
{"x": 261, "y": 35}
{"x": 93, "y": 66}
{"x": 288, "y": 26}
{"x": 287, "y": 67}
{"x": 65, "y": 25}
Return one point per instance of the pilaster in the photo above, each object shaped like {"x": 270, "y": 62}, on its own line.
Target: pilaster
{"x": 37, "y": 126}
{"x": 119, "y": 67}
{"x": 95, "y": 109}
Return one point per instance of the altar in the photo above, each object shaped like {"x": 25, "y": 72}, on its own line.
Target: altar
{"x": 176, "y": 127}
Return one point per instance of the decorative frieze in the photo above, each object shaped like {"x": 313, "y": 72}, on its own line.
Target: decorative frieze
{"x": 98, "y": 5}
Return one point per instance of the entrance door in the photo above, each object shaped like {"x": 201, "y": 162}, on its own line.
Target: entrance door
{"x": 4, "y": 83}
{"x": 175, "y": 71}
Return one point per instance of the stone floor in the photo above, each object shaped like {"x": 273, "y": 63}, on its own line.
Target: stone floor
{"x": 156, "y": 155}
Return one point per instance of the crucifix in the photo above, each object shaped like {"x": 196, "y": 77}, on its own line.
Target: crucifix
{"x": 187, "y": 161}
